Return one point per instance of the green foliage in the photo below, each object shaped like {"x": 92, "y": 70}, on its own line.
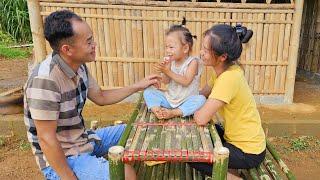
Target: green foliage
{"x": 14, "y": 19}
{"x": 24, "y": 145}
{"x": 2, "y": 142}
{"x": 299, "y": 144}
{"x": 5, "y": 38}
{"x": 11, "y": 53}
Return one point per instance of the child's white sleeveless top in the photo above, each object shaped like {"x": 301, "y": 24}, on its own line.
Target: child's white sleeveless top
{"x": 176, "y": 94}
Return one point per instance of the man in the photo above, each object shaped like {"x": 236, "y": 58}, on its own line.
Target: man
{"x": 55, "y": 94}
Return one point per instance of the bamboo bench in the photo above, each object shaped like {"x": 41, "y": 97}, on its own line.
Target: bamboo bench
{"x": 177, "y": 141}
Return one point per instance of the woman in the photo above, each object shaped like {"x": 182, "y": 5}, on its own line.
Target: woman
{"x": 229, "y": 94}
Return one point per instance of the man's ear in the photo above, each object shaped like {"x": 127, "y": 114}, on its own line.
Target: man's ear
{"x": 66, "y": 49}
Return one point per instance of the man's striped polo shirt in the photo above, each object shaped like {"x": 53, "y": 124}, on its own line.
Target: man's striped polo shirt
{"x": 55, "y": 92}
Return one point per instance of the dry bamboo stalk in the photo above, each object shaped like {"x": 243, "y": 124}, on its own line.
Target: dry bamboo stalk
{"x": 140, "y": 46}
{"x": 91, "y": 65}
{"x": 37, "y": 30}
{"x": 122, "y": 67}
{"x": 264, "y": 53}
{"x": 173, "y": 5}
{"x": 198, "y": 32}
{"x": 48, "y": 48}
{"x": 293, "y": 55}
{"x": 269, "y": 54}
{"x": 129, "y": 44}
{"x": 134, "y": 36}
{"x": 160, "y": 171}
{"x": 274, "y": 51}
{"x": 102, "y": 47}
{"x": 150, "y": 41}
{"x": 166, "y": 171}
{"x": 154, "y": 172}
{"x": 287, "y": 36}
{"x": 117, "y": 67}
{"x": 145, "y": 43}
{"x": 156, "y": 35}
{"x": 253, "y": 44}
{"x": 107, "y": 77}
{"x": 161, "y": 36}
{"x": 259, "y": 34}
{"x": 204, "y": 141}
{"x": 96, "y": 65}
{"x": 280, "y": 53}
{"x": 110, "y": 46}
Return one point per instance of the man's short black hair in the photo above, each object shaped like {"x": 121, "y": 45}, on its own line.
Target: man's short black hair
{"x": 58, "y": 27}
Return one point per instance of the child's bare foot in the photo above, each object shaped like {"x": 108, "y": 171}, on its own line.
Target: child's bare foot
{"x": 157, "y": 112}
{"x": 170, "y": 113}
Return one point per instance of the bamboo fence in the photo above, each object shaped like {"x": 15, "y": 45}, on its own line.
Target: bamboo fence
{"x": 310, "y": 37}
{"x": 130, "y": 38}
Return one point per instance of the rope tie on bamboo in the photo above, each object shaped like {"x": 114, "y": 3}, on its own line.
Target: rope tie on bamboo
{"x": 174, "y": 155}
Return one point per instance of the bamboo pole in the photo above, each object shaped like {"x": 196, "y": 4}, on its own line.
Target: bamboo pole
{"x": 220, "y": 166}
{"x": 116, "y": 166}
{"x": 112, "y": 51}
{"x": 280, "y": 54}
{"x": 263, "y": 175}
{"x": 281, "y": 163}
{"x": 140, "y": 45}
{"x": 293, "y": 55}
{"x": 36, "y": 26}
{"x": 133, "y": 117}
{"x": 129, "y": 44}
{"x": 287, "y": 36}
{"x": 254, "y": 174}
{"x": 259, "y": 33}
{"x": 134, "y": 36}
{"x": 271, "y": 168}
{"x": 180, "y": 4}
{"x": 102, "y": 47}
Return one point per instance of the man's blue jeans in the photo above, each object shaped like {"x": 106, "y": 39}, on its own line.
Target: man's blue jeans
{"x": 93, "y": 166}
{"x": 156, "y": 98}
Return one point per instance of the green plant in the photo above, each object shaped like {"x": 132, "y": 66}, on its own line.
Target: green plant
{"x": 2, "y": 142}
{"x": 5, "y": 38}
{"x": 14, "y": 19}
{"x": 24, "y": 145}
{"x": 12, "y": 53}
{"x": 300, "y": 143}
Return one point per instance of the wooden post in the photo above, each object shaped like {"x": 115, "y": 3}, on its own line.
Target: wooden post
{"x": 116, "y": 166}
{"x": 293, "y": 55}
{"x": 39, "y": 45}
{"x": 220, "y": 165}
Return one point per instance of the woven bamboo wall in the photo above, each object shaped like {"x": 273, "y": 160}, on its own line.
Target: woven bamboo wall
{"x": 310, "y": 37}
{"x": 130, "y": 37}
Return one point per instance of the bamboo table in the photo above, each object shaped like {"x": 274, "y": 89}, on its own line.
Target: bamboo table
{"x": 176, "y": 141}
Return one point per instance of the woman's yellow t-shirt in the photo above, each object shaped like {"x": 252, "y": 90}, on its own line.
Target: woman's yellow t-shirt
{"x": 242, "y": 121}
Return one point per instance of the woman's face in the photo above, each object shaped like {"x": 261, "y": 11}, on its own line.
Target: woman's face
{"x": 206, "y": 54}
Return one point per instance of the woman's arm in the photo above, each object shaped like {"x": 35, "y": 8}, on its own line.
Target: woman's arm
{"x": 206, "y": 91}
{"x": 206, "y": 112}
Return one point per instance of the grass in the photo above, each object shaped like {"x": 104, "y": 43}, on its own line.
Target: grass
{"x": 14, "y": 19}
{"x": 12, "y": 53}
{"x": 300, "y": 143}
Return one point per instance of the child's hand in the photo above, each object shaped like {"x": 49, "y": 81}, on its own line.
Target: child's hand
{"x": 163, "y": 66}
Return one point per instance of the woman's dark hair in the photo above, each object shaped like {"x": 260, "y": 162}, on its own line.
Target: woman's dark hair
{"x": 225, "y": 39}
{"x": 186, "y": 36}
{"x": 58, "y": 27}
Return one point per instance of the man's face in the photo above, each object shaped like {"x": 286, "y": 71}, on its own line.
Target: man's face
{"x": 82, "y": 46}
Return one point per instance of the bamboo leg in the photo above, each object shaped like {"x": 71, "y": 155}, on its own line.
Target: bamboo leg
{"x": 116, "y": 166}
{"x": 220, "y": 165}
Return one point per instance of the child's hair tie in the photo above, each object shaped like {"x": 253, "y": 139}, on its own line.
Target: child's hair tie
{"x": 194, "y": 36}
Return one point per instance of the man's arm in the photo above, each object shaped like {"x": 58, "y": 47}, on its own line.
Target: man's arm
{"x": 52, "y": 149}
{"x": 105, "y": 97}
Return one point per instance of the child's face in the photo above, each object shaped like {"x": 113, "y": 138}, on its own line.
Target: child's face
{"x": 175, "y": 50}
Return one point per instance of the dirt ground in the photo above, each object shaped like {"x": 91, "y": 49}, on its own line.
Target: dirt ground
{"x": 17, "y": 161}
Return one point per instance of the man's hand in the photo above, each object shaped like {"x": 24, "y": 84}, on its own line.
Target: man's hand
{"x": 153, "y": 79}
